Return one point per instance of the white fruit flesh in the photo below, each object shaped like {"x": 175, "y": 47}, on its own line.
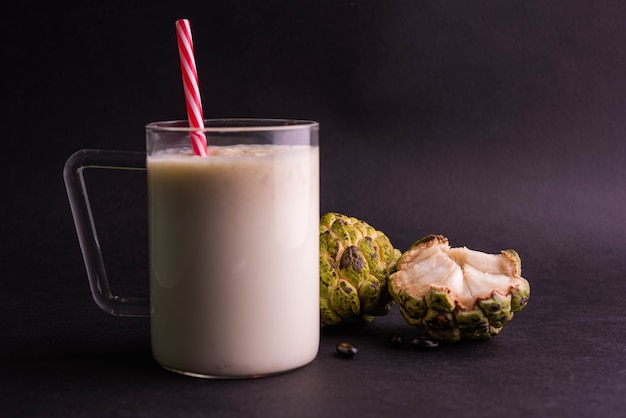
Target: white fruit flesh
{"x": 466, "y": 274}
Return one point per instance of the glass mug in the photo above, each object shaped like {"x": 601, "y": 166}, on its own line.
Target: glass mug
{"x": 234, "y": 244}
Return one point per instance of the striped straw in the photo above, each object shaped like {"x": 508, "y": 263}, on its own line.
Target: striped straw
{"x": 190, "y": 84}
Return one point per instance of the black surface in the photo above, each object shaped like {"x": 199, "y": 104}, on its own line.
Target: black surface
{"x": 499, "y": 124}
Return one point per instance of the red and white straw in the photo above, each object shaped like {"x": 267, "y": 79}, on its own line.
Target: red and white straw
{"x": 190, "y": 84}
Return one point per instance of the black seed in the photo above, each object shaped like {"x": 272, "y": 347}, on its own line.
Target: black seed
{"x": 395, "y": 340}
{"x": 424, "y": 343}
{"x": 346, "y": 350}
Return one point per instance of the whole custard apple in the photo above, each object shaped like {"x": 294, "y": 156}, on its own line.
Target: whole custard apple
{"x": 458, "y": 293}
{"x": 355, "y": 263}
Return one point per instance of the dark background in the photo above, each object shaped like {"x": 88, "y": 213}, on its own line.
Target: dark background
{"x": 500, "y": 124}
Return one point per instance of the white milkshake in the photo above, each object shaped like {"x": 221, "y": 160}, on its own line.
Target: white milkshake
{"x": 235, "y": 259}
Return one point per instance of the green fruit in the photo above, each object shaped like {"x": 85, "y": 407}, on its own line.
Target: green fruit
{"x": 458, "y": 293}
{"x": 355, "y": 263}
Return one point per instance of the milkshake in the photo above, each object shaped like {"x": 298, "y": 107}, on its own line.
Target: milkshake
{"x": 234, "y": 259}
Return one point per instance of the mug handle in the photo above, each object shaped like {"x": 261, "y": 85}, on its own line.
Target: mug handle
{"x": 86, "y": 229}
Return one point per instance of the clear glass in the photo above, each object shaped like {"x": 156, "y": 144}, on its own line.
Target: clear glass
{"x": 73, "y": 174}
{"x": 234, "y": 247}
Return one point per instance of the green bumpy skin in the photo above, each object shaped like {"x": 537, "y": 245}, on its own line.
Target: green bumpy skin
{"x": 356, "y": 261}
{"x": 458, "y": 293}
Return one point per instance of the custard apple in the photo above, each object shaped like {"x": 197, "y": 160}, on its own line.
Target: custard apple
{"x": 458, "y": 293}
{"x": 355, "y": 263}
